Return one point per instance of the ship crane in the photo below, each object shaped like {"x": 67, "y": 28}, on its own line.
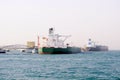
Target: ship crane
{"x": 65, "y": 37}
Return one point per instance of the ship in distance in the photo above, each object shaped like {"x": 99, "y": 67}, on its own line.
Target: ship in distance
{"x": 2, "y": 51}
{"x": 55, "y": 44}
{"x": 91, "y": 46}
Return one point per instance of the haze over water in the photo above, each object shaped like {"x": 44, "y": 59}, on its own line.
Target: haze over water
{"x": 24, "y": 20}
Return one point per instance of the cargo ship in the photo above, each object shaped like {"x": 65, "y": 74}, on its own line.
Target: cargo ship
{"x": 91, "y": 46}
{"x": 55, "y": 44}
{"x": 2, "y": 51}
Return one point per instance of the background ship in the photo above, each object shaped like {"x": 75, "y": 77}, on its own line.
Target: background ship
{"x": 54, "y": 44}
{"x": 91, "y": 46}
{"x": 2, "y": 50}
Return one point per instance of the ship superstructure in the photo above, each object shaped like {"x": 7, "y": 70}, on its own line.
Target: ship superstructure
{"x": 56, "y": 40}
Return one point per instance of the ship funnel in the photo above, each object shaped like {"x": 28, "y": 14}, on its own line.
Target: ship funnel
{"x": 51, "y": 31}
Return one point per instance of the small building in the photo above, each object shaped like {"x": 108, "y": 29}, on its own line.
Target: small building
{"x": 30, "y": 44}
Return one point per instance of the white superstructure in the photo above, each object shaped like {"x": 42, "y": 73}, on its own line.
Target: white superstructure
{"x": 90, "y": 43}
{"x": 56, "y": 40}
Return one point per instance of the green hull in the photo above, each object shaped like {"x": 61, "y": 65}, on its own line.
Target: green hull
{"x": 68, "y": 50}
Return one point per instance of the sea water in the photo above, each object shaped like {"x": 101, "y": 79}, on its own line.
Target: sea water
{"x": 82, "y": 66}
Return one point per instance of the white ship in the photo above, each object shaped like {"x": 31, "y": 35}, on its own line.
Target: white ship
{"x": 91, "y": 46}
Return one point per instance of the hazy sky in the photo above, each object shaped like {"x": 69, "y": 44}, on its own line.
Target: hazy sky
{"x": 23, "y": 20}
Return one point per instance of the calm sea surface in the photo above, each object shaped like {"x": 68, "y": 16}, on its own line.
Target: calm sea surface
{"x": 86, "y": 66}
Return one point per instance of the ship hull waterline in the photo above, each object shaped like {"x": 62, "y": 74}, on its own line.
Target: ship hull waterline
{"x": 68, "y": 50}
{"x": 97, "y": 48}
